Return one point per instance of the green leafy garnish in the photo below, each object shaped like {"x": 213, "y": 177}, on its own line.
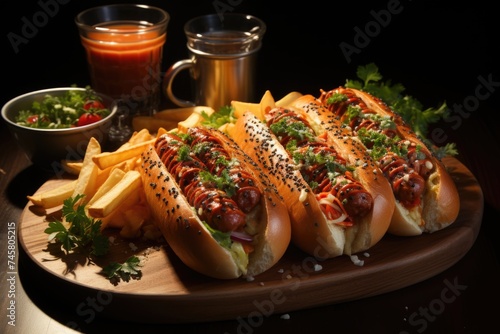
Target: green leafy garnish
{"x": 371, "y": 83}
{"x": 381, "y": 144}
{"x": 336, "y": 98}
{"x": 309, "y": 158}
{"x": 223, "y": 238}
{"x": 223, "y": 116}
{"x": 222, "y": 181}
{"x": 83, "y": 233}
{"x": 410, "y": 109}
{"x": 184, "y": 153}
{"x": 286, "y": 126}
{"x": 201, "y": 148}
{"x": 130, "y": 269}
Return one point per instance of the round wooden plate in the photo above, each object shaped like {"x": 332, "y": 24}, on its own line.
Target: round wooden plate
{"x": 169, "y": 292}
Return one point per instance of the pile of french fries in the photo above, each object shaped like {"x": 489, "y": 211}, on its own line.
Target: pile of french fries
{"x": 111, "y": 185}
{"x": 111, "y": 182}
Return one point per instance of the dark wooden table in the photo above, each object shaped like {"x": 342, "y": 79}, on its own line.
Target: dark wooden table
{"x": 447, "y": 56}
{"x": 432, "y": 305}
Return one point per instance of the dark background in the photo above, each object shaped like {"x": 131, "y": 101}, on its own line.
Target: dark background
{"x": 437, "y": 50}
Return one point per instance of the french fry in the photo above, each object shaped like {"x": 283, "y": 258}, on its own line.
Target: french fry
{"x": 103, "y": 174}
{"x": 241, "y": 107}
{"x": 54, "y": 197}
{"x": 160, "y": 132}
{"x": 288, "y": 99}
{"x": 267, "y": 101}
{"x": 86, "y": 182}
{"x": 258, "y": 109}
{"x": 116, "y": 219}
{"x": 115, "y": 176}
{"x": 133, "y": 163}
{"x": 128, "y": 185}
{"x": 107, "y": 159}
{"x": 134, "y": 219}
{"x": 139, "y": 136}
{"x": 228, "y": 129}
{"x": 193, "y": 120}
{"x": 72, "y": 167}
{"x": 135, "y": 138}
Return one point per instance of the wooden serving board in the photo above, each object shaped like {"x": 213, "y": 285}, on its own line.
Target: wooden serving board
{"x": 169, "y": 292}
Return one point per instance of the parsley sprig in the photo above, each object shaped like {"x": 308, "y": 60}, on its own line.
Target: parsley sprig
{"x": 410, "y": 109}
{"x": 83, "y": 233}
{"x": 130, "y": 269}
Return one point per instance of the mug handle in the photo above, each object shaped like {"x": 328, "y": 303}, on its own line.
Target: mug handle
{"x": 169, "y": 79}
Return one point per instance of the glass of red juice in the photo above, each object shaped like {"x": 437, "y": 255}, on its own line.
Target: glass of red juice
{"x": 124, "y": 47}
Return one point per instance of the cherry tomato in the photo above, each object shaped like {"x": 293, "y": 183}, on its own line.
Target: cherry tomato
{"x": 32, "y": 119}
{"x": 88, "y": 118}
{"x": 93, "y": 104}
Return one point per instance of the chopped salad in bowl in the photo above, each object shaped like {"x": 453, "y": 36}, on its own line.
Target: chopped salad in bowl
{"x": 56, "y": 124}
{"x": 71, "y": 109}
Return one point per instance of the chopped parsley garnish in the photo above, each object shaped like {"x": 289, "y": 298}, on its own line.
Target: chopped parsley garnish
{"x": 336, "y": 98}
{"x": 410, "y": 109}
{"x": 386, "y": 122}
{"x": 183, "y": 154}
{"x": 222, "y": 182}
{"x": 201, "y": 148}
{"x": 186, "y": 137}
{"x": 310, "y": 158}
{"x": 83, "y": 233}
{"x": 286, "y": 126}
{"x": 352, "y": 112}
{"x": 380, "y": 144}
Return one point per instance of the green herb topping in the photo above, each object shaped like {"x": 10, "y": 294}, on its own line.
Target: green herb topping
{"x": 83, "y": 233}
{"x": 287, "y": 126}
{"x": 223, "y": 116}
{"x": 130, "y": 269}
{"x": 410, "y": 109}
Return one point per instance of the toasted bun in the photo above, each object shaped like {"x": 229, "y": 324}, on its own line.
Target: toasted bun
{"x": 440, "y": 202}
{"x": 311, "y": 230}
{"x": 190, "y": 239}
{"x": 373, "y": 227}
